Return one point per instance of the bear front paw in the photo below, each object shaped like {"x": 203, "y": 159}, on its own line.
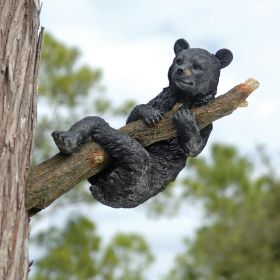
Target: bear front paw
{"x": 186, "y": 126}
{"x": 185, "y": 120}
{"x": 66, "y": 142}
{"x": 152, "y": 117}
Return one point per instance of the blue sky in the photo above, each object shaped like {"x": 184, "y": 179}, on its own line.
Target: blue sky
{"x": 132, "y": 42}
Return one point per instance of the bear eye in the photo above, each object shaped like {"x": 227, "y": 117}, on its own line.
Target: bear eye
{"x": 197, "y": 66}
{"x": 179, "y": 61}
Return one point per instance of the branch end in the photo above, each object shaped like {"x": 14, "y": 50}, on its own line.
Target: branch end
{"x": 244, "y": 104}
{"x": 250, "y": 85}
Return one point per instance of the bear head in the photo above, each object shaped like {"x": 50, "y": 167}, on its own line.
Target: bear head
{"x": 195, "y": 72}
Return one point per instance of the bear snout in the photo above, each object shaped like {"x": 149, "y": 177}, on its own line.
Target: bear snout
{"x": 188, "y": 72}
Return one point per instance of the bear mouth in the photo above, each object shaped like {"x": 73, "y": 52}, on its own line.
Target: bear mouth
{"x": 188, "y": 83}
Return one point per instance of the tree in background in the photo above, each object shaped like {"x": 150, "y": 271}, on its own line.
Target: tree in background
{"x": 76, "y": 252}
{"x": 68, "y": 91}
{"x": 128, "y": 256}
{"x": 240, "y": 238}
{"x": 64, "y": 85}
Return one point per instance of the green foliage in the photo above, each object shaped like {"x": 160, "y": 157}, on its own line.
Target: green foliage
{"x": 62, "y": 80}
{"x": 227, "y": 174}
{"x": 70, "y": 251}
{"x": 127, "y": 257}
{"x": 103, "y": 105}
{"x": 75, "y": 252}
{"x": 64, "y": 94}
{"x": 65, "y": 87}
{"x": 241, "y": 238}
{"x": 124, "y": 109}
{"x": 64, "y": 84}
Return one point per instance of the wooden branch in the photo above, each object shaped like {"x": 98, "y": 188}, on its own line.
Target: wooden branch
{"x": 52, "y": 178}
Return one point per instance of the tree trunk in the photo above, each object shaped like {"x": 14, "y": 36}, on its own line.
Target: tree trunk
{"x": 19, "y": 59}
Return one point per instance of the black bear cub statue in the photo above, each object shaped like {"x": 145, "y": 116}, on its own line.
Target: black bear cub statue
{"x": 137, "y": 173}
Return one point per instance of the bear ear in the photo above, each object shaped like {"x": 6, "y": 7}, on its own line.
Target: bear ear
{"x": 180, "y": 44}
{"x": 224, "y": 56}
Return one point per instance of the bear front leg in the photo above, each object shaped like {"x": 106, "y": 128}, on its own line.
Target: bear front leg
{"x": 190, "y": 137}
{"x": 148, "y": 114}
{"x": 71, "y": 141}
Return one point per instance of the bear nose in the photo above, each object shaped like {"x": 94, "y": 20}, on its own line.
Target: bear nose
{"x": 180, "y": 71}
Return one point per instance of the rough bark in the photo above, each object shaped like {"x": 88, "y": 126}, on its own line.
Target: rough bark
{"x": 50, "y": 179}
{"x": 19, "y": 60}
